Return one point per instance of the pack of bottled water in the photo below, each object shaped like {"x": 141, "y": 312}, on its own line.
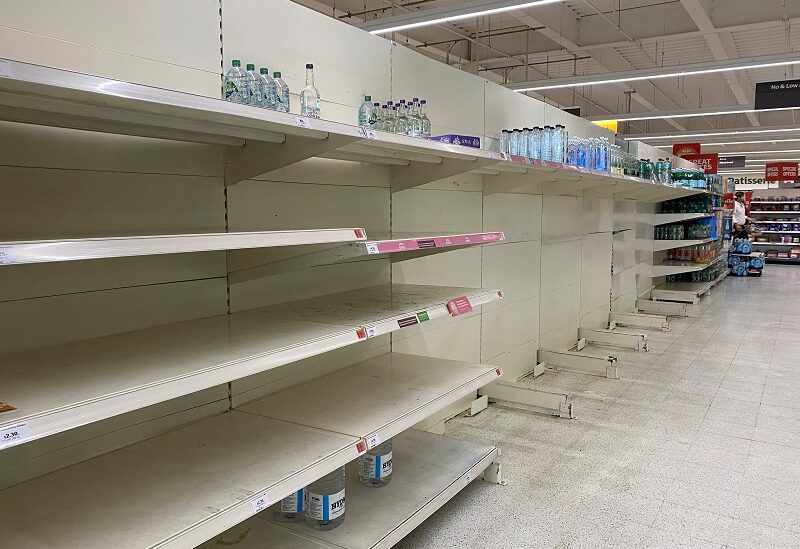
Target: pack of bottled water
{"x": 404, "y": 118}
{"x": 259, "y": 89}
{"x": 547, "y": 143}
{"x": 594, "y": 153}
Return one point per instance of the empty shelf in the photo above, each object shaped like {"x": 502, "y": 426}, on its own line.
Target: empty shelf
{"x": 184, "y": 487}
{"x": 667, "y": 218}
{"x": 430, "y": 470}
{"x": 44, "y": 251}
{"x": 661, "y": 245}
{"x": 58, "y": 388}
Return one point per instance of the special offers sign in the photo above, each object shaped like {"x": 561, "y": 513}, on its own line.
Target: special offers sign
{"x": 781, "y": 171}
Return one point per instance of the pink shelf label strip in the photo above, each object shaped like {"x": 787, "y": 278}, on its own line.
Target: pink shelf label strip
{"x": 390, "y": 246}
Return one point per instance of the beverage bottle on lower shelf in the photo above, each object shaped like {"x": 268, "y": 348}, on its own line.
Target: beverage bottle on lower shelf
{"x": 375, "y": 467}
{"x": 251, "y": 85}
{"x": 290, "y": 508}
{"x": 325, "y": 502}
{"x": 309, "y": 96}
{"x": 282, "y": 98}
{"x": 234, "y": 82}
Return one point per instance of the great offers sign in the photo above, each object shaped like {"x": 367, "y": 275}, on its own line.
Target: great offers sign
{"x": 778, "y": 94}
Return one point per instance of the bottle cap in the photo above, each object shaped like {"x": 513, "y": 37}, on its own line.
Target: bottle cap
{"x": 277, "y": 74}
{"x": 390, "y": 103}
{"x": 309, "y": 66}
{"x": 263, "y": 70}
{"x": 251, "y": 67}
{"x": 367, "y": 98}
{"x": 416, "y": 100}
{"x": 402, "y": 101}
{"x": 526, "y": 129}
{"x": 423, "y": 102}
{"x": 376, "y": 104}
{"x": 236, "y": 63}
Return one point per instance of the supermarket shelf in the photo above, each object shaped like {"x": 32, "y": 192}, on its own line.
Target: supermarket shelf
{"x": 787, "y": 212}
{"x": 275, "y": 139}
{"x": 677, "y": 267}
{"x": 430, "y": 470}
{"x": 781, "y": 232}
{"x": 43, "y": 251}
{"x": 398, "y": 249}
{"x": 378, "y": 398}
{"x": 667, "y": 218}
{"x": 685, "y": 292}
{"x": 782, "y": 259}
{"x": 661, "y": 245}
{"x": 182, "y": 488}
{"x": 62, "y": 387}
{"x": 790, "y": 244}
{"x": 774, "y": 202}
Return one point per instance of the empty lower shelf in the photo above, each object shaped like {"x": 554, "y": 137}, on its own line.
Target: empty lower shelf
{"x": 184, "y": 487}
{"x": 429, "y": 470}
{"x": 62, "y": 387}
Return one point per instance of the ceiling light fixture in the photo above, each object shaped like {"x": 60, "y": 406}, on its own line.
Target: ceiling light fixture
{"x": 745, "y": 153}
{"x": 657, "y": 73}
{"x": 749, "y": 142}
{"x": 685, "y": 136}
{"x": 668, "y": 115}
{"x": 446, "y": 14}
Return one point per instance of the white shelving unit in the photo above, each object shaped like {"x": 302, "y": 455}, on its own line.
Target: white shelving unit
{"x": 756, "y": 202}
{"x": 274, "y": 139}
{"x": 686, "y": 292}
{"x": 431, "y": 470}
{"x": 677, "y": 267}
{"x": 66, "y": 386}
{"x": 45, "y": 251}
{"x": 789, "y": 244}
{"x": 184, "y": 487}
{"x": 662, "y": 245}
{"x": 669, "y": 218}
{"x": 763, "y": 212}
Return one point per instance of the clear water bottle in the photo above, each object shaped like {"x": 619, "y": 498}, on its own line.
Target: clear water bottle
{"x": 513, "y": 143}
{"x": 525, "y": 142}
{"x": 572, "y": 152}
{"x": 415, "y": 120}
{"x": 583, "y": 152}
{"x": 557, "y": 145}
{"x": 290, "y": 508}
{"x": 602, "y": 154}
{"x": 325, "y": 501}
{"x": 390, "y": 125}
{"x": 250, "y": 91}
{"x": 266, "y": 89}
{"x": 366, "y": 116}
{"x": 401, "y": 119}
{"x": 547, "y": 143}
{"x": 235, "y": 82}
{"x": 426, "y": 122}
{"x": 375, "y": 467}
{"x": 378, "y": 112}
{"x": 564, "y": 144}
{"x": 309, "y": 96}
{"x": 503, "y": 145}
{"x": 535, "y": 147}
{"x": 282, "y": 97}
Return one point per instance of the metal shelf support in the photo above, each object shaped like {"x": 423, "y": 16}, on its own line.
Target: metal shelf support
{"x": 633, "y": 320}
{"x": 637, "y": 342}
{"x": 667, "y": 308}
{"x": 571, "y": 361}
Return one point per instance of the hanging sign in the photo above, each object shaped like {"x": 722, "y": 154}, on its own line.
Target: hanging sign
{"x": 732, "y": 161}
{"x": 778, "y": 94}
{"x": 681, "y": 149}
{"x": 709, "y": 162}
{"x": 612, "y": 125}
{"x": 781, "y": 171}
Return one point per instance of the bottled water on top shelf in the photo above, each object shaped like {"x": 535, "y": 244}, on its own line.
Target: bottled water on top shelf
{"x": 309, "y": 96}
{"x": 401, "y": 119}
{"x": 325, "y": 501}
{"x": 282, "y": 97}
{"x": 426, "y": 122}
{"x": 415, "y": 120}
{"x": 234, "y": 82}
{"x": 557, "y": 144}
{"x": 375, "y": 467}
{"x": 250, "y": 92}
{"x": 290, "y": 508}
{"x": 547, "y": 143}
{"x": 367, "y": 116}
{"x": 266, "y": 89}
{"x": 503, "y": 141}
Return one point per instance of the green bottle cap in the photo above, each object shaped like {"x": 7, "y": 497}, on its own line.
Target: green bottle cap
{"x": 367, "y": 98}
{"x": 277, "y": 74}
{"x": 264, "y": 70}
{"x": 251, "y": 67}
{"x": 236, "y": 63}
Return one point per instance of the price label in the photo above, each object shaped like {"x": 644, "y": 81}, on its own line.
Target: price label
{"x": 14, "y": 435}
{"x": 372, "y": 331}
{"x": 367, "y": 133}
{"x": 467, "y": 478}
{"x": 5, "y": 255}
{"x": 372, "y": 441}
{"x": 5, "y": 69}
{"x": 372, "y": 248}
{"x": 302, "y": 122}
{"x": 259, "y": 504}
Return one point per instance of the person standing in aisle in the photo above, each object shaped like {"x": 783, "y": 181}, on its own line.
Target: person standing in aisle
{"x": 740, "y": 218}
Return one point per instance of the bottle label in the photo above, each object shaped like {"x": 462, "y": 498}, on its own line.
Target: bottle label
{"x": 324, "y": 507}
{"x": 376, "y": 467}
{"x": 293, "y": 503}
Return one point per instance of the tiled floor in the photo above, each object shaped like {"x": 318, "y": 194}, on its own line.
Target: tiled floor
{"x": 697, "y": 446}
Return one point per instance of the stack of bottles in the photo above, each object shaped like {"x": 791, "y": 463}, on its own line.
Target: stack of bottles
{"x": 660, "y": 171}
{"x": 405, "y": 118}
{"x": 703, "y": 253}
{"x": 548, "y": 143}
{"x": 593, "y": 153}
{"x": 670, "y": 232}
{"x": 706, "y": 275}
{"x": 321, "y": 504}
{"x": 259, "y": 89}
{"x": 691, "y": 204}
{"x": 691, "y": 178}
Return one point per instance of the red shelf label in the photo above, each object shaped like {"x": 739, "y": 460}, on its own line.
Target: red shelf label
{"x": 459, "y": 305}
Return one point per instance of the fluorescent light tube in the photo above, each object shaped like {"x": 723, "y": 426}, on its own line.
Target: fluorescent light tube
{"x": 691, "y": 114}
{"x": 710, "y": 134}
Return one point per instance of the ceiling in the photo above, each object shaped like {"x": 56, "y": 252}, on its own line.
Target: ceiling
{"x": 587, "y": 37}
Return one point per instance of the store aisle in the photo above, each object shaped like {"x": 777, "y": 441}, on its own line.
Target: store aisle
{"x": 697, "y": 446}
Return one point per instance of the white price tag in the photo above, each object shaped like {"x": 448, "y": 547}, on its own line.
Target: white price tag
{"x": 5, "y": 69}
{"x": 467, "y": 478}
{"x": 371, "y": 248}
{"x": 372, "y": 331}
{"x": 259, "y": 504}
{"x": 14, "y": 435}
{"x": 5, "y": 255}
{"x": 372, "y": 134}
{"x": 372, "y": 441}
{"x": 302, "y": 122}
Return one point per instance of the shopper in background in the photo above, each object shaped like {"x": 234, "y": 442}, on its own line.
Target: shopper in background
{"x": 740, "y": 218}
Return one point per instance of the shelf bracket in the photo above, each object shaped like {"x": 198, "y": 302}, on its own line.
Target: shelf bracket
{"x": 667, "y": 308}
{"x": 637, "y": 342}
{"x": 570, "y": 361}
{"x": 493, "y": 474}
{"x": 420, "y": 173}
{"x": 677, "y": 295}
{"x": 633, "y": 320}
{"x": 545, "y": 401}
{"x": 259, "y": 157}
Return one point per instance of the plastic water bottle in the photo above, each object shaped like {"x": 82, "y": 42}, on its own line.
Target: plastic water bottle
{"x": 234, "y": 82}
{"x": 366, "y": 115}
{"x": 309, "y": 96}
{"x": 375, "y": 467}
{"x": 557, "y": 145}
{"x": 513, "y": 142}
{"x": 390, "y": 125}
{"x": 378, "y": 113}
{"x": 290, "y": 508}
{"x": 415, "y": 120}
{"x": 547, "y": 140}
{"x": 266, "y": 89}
{"x": 535, "y": 147}
{"x": 525, "y": 142}
{"x": 426, "y": 122}
{"x": 401, "y": 120}
{"x": 572, "y": 152}
{"x": 503, "y": 145}
{"x": 282, "y": 97}
{"x": 564, "y": 144}
{"x": 325, "y": 501}
{"x": 602, "y": 154}
{"x": 250, "y": 90}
